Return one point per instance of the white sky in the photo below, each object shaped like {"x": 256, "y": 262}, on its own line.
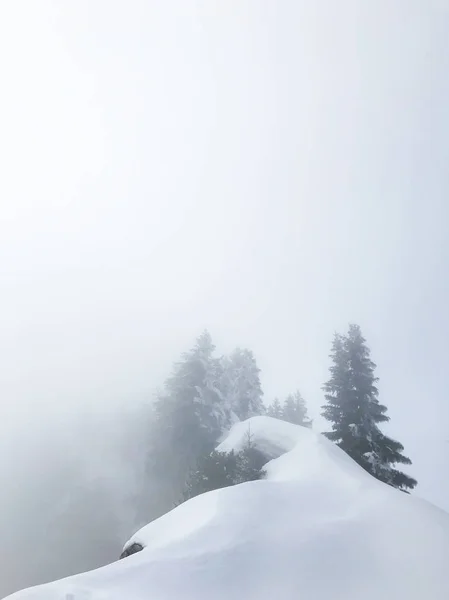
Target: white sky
{"x": 268, "y": 170}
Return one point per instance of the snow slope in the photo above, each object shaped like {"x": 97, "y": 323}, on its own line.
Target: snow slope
{"x": 318, "y": 528}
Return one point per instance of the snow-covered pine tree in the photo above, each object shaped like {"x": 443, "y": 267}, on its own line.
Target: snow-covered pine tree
{"x": 294, "y": 410}
{"x": 355, "y": 412}
{"x": 189, "y": 416}
{"x": 387, "y": 452}
{"x": 241, "y": 384}
{"x": 275, "y": 409}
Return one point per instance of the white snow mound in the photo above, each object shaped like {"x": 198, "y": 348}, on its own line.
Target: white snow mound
{"x": 272, "y": 436}
{"x": 318, "y": 527}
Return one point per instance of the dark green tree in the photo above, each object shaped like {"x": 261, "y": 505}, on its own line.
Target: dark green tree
{"x": 355, "y": 412}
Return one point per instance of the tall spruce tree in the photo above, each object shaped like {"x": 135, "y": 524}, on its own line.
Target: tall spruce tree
{"x": 355, "y": 412}
{"x": 189, "y": 416}
{"x": 241, "y": 384}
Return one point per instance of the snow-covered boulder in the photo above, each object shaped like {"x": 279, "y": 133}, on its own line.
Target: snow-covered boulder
{"x": 318, "y": 527}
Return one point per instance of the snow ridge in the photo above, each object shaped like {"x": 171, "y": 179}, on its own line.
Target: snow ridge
{"x": 317, "y": 527}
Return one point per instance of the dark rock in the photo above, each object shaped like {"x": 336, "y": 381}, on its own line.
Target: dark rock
{"x": 132, "y": 549}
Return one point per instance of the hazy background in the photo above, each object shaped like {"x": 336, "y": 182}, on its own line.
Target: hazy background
{"x": 267, "y": 169}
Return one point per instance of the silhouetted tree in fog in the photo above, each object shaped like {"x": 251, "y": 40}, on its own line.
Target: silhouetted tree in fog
{"x": 189, "y": 416}
{"x": 355, "y": 412}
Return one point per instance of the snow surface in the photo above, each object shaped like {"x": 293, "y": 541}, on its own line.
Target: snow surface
{"x": 271, "y": 436}
{"x": 318, "y": 528}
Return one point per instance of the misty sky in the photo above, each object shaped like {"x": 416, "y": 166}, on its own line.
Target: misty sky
{"x": 270, "y": 170}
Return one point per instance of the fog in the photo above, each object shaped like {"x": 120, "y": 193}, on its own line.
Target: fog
{"x": 268, "y": 170}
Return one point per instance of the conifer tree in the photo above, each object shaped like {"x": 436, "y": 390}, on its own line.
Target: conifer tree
{"x": 213, "y": 471}
{"x": 275, "y": 409}
{"x": 221, "y": 469}
{"x": 241, "y": 384}
{"x": 250, "y": 462}
{"x": 355, "y": 412}
{"x": 189, "y": 416}
{"x": 295, "y": 410}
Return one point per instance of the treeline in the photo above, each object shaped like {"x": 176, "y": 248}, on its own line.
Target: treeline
{"x": 205, "y": 395}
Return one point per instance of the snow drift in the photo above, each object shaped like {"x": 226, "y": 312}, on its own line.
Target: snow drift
{"x": 318, "y": 527}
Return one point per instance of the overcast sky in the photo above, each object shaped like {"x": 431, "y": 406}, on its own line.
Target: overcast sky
{"x": 270, "y": 170}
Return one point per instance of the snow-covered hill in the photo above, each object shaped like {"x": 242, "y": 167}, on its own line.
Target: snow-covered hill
{"x": 318, "y": 527}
